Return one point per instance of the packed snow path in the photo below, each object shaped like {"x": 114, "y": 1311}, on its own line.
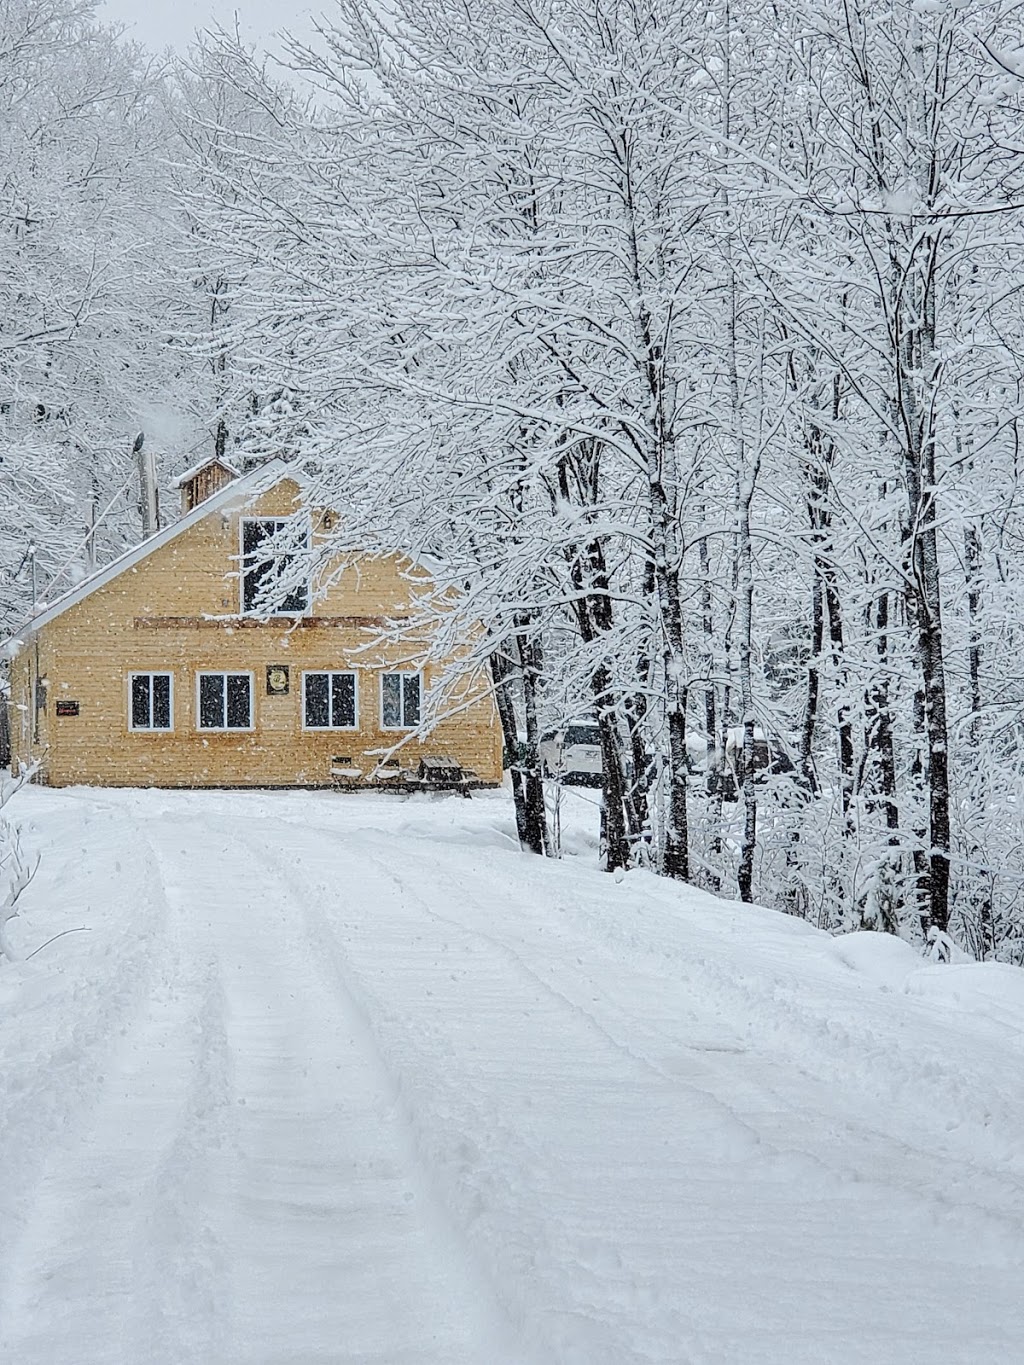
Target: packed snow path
{"x": 348, "y": 1079}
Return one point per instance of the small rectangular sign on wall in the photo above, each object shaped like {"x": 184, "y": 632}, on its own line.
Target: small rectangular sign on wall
{"x": 67, "y": 708}
{"x": 277, "y": 680}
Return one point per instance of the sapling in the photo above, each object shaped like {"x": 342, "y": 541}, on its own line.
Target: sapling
{"x": 16, "y": 868}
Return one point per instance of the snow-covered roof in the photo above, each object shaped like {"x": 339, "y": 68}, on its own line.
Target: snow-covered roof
{"x": 195, "y": 469}
{"x": 246, "y": 486}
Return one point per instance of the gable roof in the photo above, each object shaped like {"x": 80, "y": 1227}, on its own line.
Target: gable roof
{"x": 247, "y": 486}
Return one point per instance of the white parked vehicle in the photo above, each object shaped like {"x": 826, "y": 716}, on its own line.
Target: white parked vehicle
{"x": 572, "y": 754}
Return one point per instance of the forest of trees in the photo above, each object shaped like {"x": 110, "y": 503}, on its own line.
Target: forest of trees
{"x": 686, "y": 339}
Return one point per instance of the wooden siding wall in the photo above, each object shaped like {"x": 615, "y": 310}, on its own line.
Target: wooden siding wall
{"x": 203, "y": 484}
{"x": 161, "y": 616}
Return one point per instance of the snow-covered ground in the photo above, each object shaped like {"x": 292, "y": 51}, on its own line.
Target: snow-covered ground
{"x": 350, "y": 1079}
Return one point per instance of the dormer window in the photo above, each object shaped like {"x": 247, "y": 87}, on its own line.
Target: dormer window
{"x": 275, "y": 553}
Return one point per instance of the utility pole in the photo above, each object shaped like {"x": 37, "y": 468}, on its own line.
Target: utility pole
{"x": 149, "y": 502}
{"x": 29, "y": 558}
{"x": 90, "y": 540}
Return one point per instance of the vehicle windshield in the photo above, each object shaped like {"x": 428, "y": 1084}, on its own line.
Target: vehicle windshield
{"x": 582, "y": 734}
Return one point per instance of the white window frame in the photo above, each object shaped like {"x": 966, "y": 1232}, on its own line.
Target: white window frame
{"x": 402, "y": 673}
{"x": 294, "y": 516}
{"x": 331, "y": 672}
{"x": 227, "y": 729}
{"x": 150, "y": 729}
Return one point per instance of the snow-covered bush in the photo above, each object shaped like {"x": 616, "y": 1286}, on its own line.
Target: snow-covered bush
{"x": 16, "y": 867}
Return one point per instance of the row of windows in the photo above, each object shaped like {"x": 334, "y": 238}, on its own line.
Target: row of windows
{"x": 224, "y": 701}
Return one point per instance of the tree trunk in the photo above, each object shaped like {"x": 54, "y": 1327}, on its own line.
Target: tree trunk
{"x": 595, "y": 619}
{"x": 712, "y": 777}
{"x": 613, "y": 786}
{"x": 807, "y": 772}
{"x": 744, "y": 561}
{"x": 972, "y": 569}
{"x": 532, "y": 655}
{"x": 879, "y": 735}
{"x": 503, "y": 674}
{"x": 845, "y": 727}
{"x": 926, "y": 568}
{"x": 917, "y": 365}
{"x": 745, "y": 591}
{"x": 916, "y": 252}
{"x": 508, "y": 670}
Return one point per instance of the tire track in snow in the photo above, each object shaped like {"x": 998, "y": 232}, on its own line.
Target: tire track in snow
{"x": 478, "y": 1166}
{"x": 777, "y": 1079}
{"x": 328, "y": 948}
{"x": 761, "y": 1095}
{"x": 69, "y": 1064}
{"x": 854, "y": 1061}
{"x": 612, "y": 1223}
{"x": 354, "y": 1257}
{"x": 113, "y": 1264}
{"x": 814, "y": 1151}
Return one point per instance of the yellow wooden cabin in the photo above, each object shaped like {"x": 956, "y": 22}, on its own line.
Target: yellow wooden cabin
{"x": 163, "y": 669}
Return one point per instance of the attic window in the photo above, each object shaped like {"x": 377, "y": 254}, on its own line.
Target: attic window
{"x": 273, "y": 550}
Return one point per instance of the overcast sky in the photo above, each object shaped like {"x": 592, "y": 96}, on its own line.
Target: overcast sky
{"x": 171, "y": 23}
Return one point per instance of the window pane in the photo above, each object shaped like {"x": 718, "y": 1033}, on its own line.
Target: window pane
{"x": 296, "y": 599}
{"x": 317, "y": 715}
{"x": 343, "y": 699}
{"x": 262, "y": 570}
{"x": 411, "y": 698}
{"x": 211, "y": 701}
{"x": 254, "y": 533}
{"x": 254, "y": 569}
{"x": 238, "y": 701}
{"x": 161, "y": 701}
{"x": 140, "y": 701}
{"x": 392, "y": 700}
{"x": 252, "y": 583}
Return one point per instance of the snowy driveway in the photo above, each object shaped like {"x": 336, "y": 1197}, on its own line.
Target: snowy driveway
{"x": 350, "y": 1079}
